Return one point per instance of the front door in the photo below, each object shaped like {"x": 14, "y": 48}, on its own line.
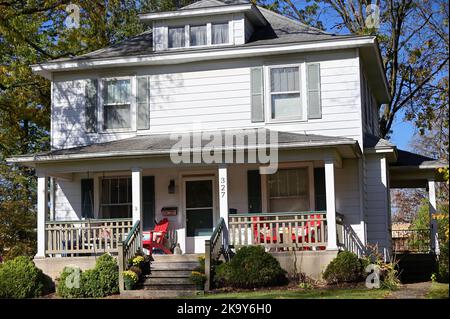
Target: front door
{"x": 199, "y": 212}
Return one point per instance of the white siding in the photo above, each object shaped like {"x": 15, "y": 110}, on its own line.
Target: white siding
{"x": 377, "y": 202}
{"x": 348, "y": 201}
{"x": 216, "y": 95}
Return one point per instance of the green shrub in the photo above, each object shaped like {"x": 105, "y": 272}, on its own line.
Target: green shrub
{"x": 443, "y": 263}
{"x": 20, "y": 278}
{"x": 69, "y": 283}
{"x": 101, "y": 281}
{"x": 346, "y": 267}
{"x": 251, "y": 267}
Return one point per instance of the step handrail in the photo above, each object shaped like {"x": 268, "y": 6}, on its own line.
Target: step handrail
{"x": 213, "y": 249}
{"x": 127, "y": 249}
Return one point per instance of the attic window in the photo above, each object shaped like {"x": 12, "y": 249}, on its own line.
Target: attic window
{"x": 176, "y": 37}
{"x": 219, "y": 33}
{"x": 197, "y": 35}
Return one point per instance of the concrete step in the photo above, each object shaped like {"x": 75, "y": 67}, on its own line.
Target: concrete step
{"x": 162, "y": 286}
{"x": 175, "y": 273}
{"x": 160, "y": 265}
{"x": 150, "y": 281}
{"x": 176, "y": 258}
{"x": 158, "y": 294}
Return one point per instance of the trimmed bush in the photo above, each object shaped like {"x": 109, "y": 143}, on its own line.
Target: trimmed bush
{"x": 69, "y": 283}
{"x": 346, "y": 267}
{"x": 251, "y": 267}
{"x": 99, "y": 282}
{"x": 20, "y": 278}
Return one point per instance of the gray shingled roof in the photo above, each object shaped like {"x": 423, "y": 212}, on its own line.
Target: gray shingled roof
{"x": 162, "y": 144}
{"x": 372, "y": 141}
{"x": 407, "y": 159}
{"x": 281, "y": 30}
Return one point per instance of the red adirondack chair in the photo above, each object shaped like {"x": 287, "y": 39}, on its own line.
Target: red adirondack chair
{"x": 156, "y": 238}
{"x": 264, "y": 235}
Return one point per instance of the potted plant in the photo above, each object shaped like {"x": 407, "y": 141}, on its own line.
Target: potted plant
{"x": 130, "y": 279}
{"x": 198, "y": 279}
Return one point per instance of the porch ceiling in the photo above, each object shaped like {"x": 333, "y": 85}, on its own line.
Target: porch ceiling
{"x": 162, "y": 144}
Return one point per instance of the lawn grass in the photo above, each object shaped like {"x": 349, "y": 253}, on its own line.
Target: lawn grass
{"x": 438, "y": 291}
{"x": 345, "y": 293}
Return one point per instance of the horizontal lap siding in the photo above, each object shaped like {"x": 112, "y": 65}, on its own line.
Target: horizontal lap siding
{"x": 348, "y": 195}
{"x": 377, "y": 202}
{"x": 68, "y": 200}
{"x": 216, "y": 95}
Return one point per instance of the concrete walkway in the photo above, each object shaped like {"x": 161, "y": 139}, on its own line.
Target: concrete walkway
{"x": 411, "y": 291}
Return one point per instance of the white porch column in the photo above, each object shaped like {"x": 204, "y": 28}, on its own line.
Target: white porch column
{"x": 331, "y": 204}
{"x": 223, "y": 197}
{"x": 434, "y": 244}
{"x": 136, "y": 187}
{"x": 42, "y": 209}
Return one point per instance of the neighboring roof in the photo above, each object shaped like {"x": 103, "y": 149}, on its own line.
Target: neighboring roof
{"x": 408, "y": 159}
{"x": 162, "y": 144}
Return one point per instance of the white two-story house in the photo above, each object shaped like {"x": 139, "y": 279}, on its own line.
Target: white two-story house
{"x": 250, "y": 89}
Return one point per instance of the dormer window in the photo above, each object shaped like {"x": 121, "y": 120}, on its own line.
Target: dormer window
{"x": 219, "y": 33}
{"x": 177, "y": 37}
{"x": 197, "y": 35}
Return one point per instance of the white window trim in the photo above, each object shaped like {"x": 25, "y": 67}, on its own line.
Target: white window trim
{"x": 208, "y": 35}
{"x": 265, "y": 184}
{"x": 133, "y": 114}
{"x": 268, "y": 93}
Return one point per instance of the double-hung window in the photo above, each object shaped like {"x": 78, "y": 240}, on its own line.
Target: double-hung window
{"x": 117, "y": 104}
{"x": 116, "y": 197}
{"x": 177, "y": 37}
{"x": 285, "y": 93}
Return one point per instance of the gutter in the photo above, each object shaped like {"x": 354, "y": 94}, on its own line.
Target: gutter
{"x": 45, "y": 69}
{"x": 128, "y": 154}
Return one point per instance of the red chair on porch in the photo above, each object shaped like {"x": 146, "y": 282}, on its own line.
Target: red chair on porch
{"x": 156, "y": 238}
{"x": 310, "y": 228}
{"x": 266, "y": 235}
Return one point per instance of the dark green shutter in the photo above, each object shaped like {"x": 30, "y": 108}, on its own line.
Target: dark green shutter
{"x": 148, "y": 202}
{"x": 313, "y": 85}
{"x": 257, "y": 96}
{"x": 90, "y": 110}
{"x": 87, "y": 198}
{"x": 319, "y": 188}
{"x": 254, "y": 191}
{"x": 143, "y": 103}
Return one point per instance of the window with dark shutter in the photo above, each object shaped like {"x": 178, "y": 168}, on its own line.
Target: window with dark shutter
{"x": 87, "y": 198}
{"x": 143, "y": 103}
{"x": 257, "y": 96}
{"x": 313, "y": 85}
{"x": 254, "y": 191}
{"x": 319, "y": 188}
{"x": 91, "y": 106}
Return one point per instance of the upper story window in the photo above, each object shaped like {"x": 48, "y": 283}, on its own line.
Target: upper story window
{"x": 285, "y": 93}
{"x": 219, "y": 33}
{"x": 117, "y": 104}
{"x": 177, "y": 37}
{"x": 197, "y": 35}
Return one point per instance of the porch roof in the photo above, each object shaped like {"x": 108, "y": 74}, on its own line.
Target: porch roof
{"x": 414, "y": 171}
{"x": 162, "y": 144}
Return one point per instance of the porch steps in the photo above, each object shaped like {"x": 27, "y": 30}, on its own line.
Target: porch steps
{"x": 169, "y": 276}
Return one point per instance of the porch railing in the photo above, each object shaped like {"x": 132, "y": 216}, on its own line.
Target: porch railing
{"x": 214, "y": 247}
{"x": 127, "y": 249}
{"x": 280, "y": 231}
{"x": 90, "y": 236}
